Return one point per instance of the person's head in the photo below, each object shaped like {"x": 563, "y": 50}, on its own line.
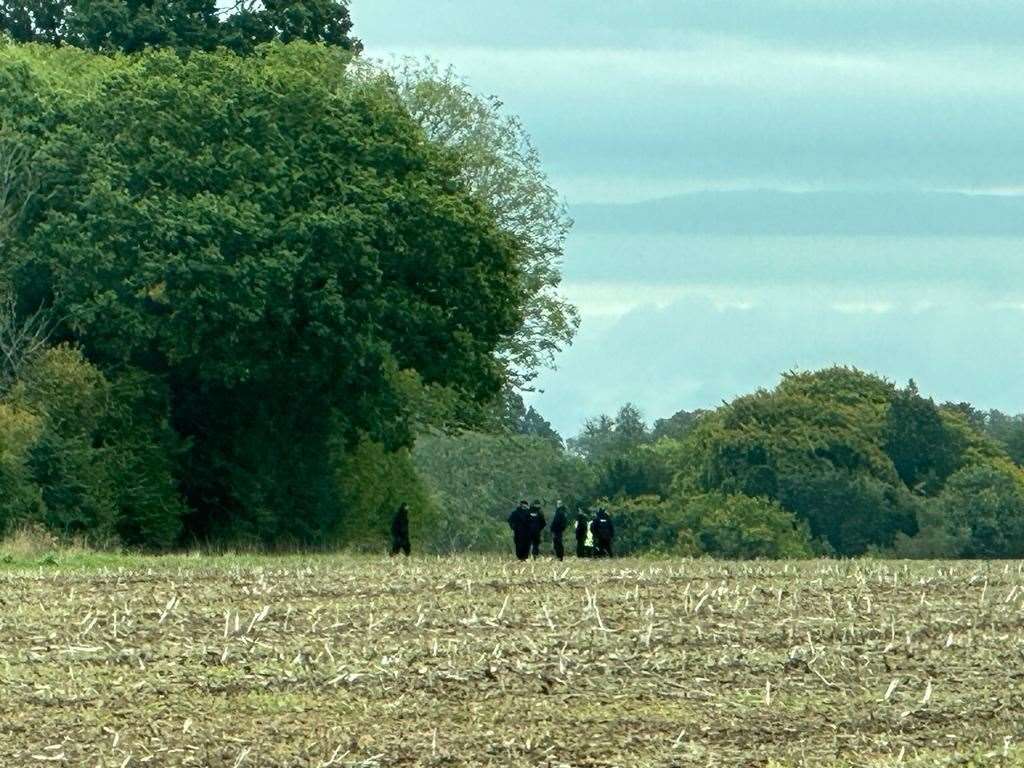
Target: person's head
{"x": 558, "y": 503}
{"x": 403, "y": 507}
{"x": 536, "y": 503}
{"x": 524, "y": 503}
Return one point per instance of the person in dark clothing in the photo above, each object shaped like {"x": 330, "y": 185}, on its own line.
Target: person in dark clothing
{"x": 558, "y": 525}
{"x": 400, "y": 531}
{"x": 519, "y": 522}
{"x": 582, "y": 533}
{"x": 537, "y": 524}
{"x": 604, "y": 533}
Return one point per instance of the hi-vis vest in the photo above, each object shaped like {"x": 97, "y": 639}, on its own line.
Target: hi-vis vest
{"x": 589, "y": 541}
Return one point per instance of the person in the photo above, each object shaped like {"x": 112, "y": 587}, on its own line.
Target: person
{"x": 519, "y": 522}
{"x": 604, "y": 532}
{"x": 537, "y": 524}
{"x": 558, "y": 525}
{"x": 400, "y": 531}
{"x": 582, "y": 533}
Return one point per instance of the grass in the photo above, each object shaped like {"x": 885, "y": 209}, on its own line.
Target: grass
{"x": 243, "y": 660}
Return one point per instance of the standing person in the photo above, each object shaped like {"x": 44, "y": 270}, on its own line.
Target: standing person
{"x": 537, "y": 524}
{"x": 558, "y": 525}
{"x": 400, "y": 531}
{"x": 604, "y": 533}
{"x": 582, "y": 533}
{"x": 519, "y": 522}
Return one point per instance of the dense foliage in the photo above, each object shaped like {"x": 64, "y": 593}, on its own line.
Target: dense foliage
{"x": 274, "y": 243}
{"x": 131, "y": 26}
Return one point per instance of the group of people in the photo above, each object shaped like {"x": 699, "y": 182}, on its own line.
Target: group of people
{"x": 594, "y": 534}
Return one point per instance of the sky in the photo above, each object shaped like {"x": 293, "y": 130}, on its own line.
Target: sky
{"x": 761, "y": 186}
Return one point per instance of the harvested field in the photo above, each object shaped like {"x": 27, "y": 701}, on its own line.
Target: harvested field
{"x": 343, "y": 661}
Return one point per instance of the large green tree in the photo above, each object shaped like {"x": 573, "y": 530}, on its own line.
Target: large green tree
{"x": 500, "y": 164}
{"x": 277, "y": 242}
{"x": 184, "y": 25}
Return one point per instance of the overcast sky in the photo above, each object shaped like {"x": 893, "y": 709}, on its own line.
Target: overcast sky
{"x": 879, "y": 118}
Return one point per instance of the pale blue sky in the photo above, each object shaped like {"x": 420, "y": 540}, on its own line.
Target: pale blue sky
{"x": 896, "y": 128}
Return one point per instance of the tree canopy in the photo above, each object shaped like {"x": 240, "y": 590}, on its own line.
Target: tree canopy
{"x": 502, "y": 167}
{"x": 272, "y": 237}
{"x": 131, "y": 26}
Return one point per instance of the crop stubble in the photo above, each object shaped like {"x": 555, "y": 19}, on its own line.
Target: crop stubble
{"x": 346, "y": 661}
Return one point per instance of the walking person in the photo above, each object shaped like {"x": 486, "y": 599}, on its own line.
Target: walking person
{"x": 558, "y": 525}
{"x": 604, "y": 533}
{"x": 400, "y": 531}
{"x": 537, "y": 524}
{"x": 519, "y": 522}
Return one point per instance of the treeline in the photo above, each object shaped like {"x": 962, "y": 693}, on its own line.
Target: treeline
{"x": 836, "y": 462}
{"x": 242, "y": 269}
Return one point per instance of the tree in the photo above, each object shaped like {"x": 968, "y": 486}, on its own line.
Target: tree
{"x": 739, "y": 527}
{"x": 678, "y": 425}
{"x": 918, "y": 443}
{"x": 17, "y": 181}
{"x": 983, "y": 509}
{"x": 605, "y": 438}
{"x": 131, "y": 26}
{"x": 1008, "y": 431}
{"x": 22, "y": 338}
{"x": 98, "y": 460}
{"x": 276, "y": 242}
{"x": 815, "y": 446}
{"x": 502, "y": 167}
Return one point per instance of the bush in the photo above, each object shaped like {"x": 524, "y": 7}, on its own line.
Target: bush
{"x": 982, "y": 511}
{"x": 645, "y": 525}
{"x": 86, "y": 457}
{"x": 373, "y": 482}
{"x": 742, "y": 528}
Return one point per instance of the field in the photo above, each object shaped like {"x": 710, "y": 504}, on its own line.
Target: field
{"x": 347, "y": 661}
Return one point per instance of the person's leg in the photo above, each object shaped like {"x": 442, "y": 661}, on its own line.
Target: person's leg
{"x": 407, "y": 547}
{"x": 522, "y": 548}
{"x": 535, "y": 546}
{"x": 559, "y": 548}
{"x": 579, "y": 547}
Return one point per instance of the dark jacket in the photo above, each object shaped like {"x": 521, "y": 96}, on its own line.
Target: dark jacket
{"x": 537, "y": 521}
{"x": 400, "y": 523}
{"x": 581, "y": 526}
{"x": 559, "y": 522}
{"x": 603, "y": 528}
{"x": 519, "y": 522}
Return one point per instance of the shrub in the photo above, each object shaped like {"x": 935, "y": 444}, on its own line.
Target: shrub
{"x": 89, "y": 457}
{"x": 741, "y": 527}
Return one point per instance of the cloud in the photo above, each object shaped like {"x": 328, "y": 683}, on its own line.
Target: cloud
{"x": 721, "y": 110}
{"x": 655, "y": 23}
{"x": 696, "y": 352}
{"x": 864, "y": 106}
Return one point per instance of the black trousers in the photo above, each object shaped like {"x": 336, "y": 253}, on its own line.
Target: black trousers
{"x": 581, "y": 550}
{"x": 535, "y": 545}
{"x": 604, "y": 547}
{"x": 556, "y": 539}
{"x": 522, "y": 547}
{"x": 400, "y": 544}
